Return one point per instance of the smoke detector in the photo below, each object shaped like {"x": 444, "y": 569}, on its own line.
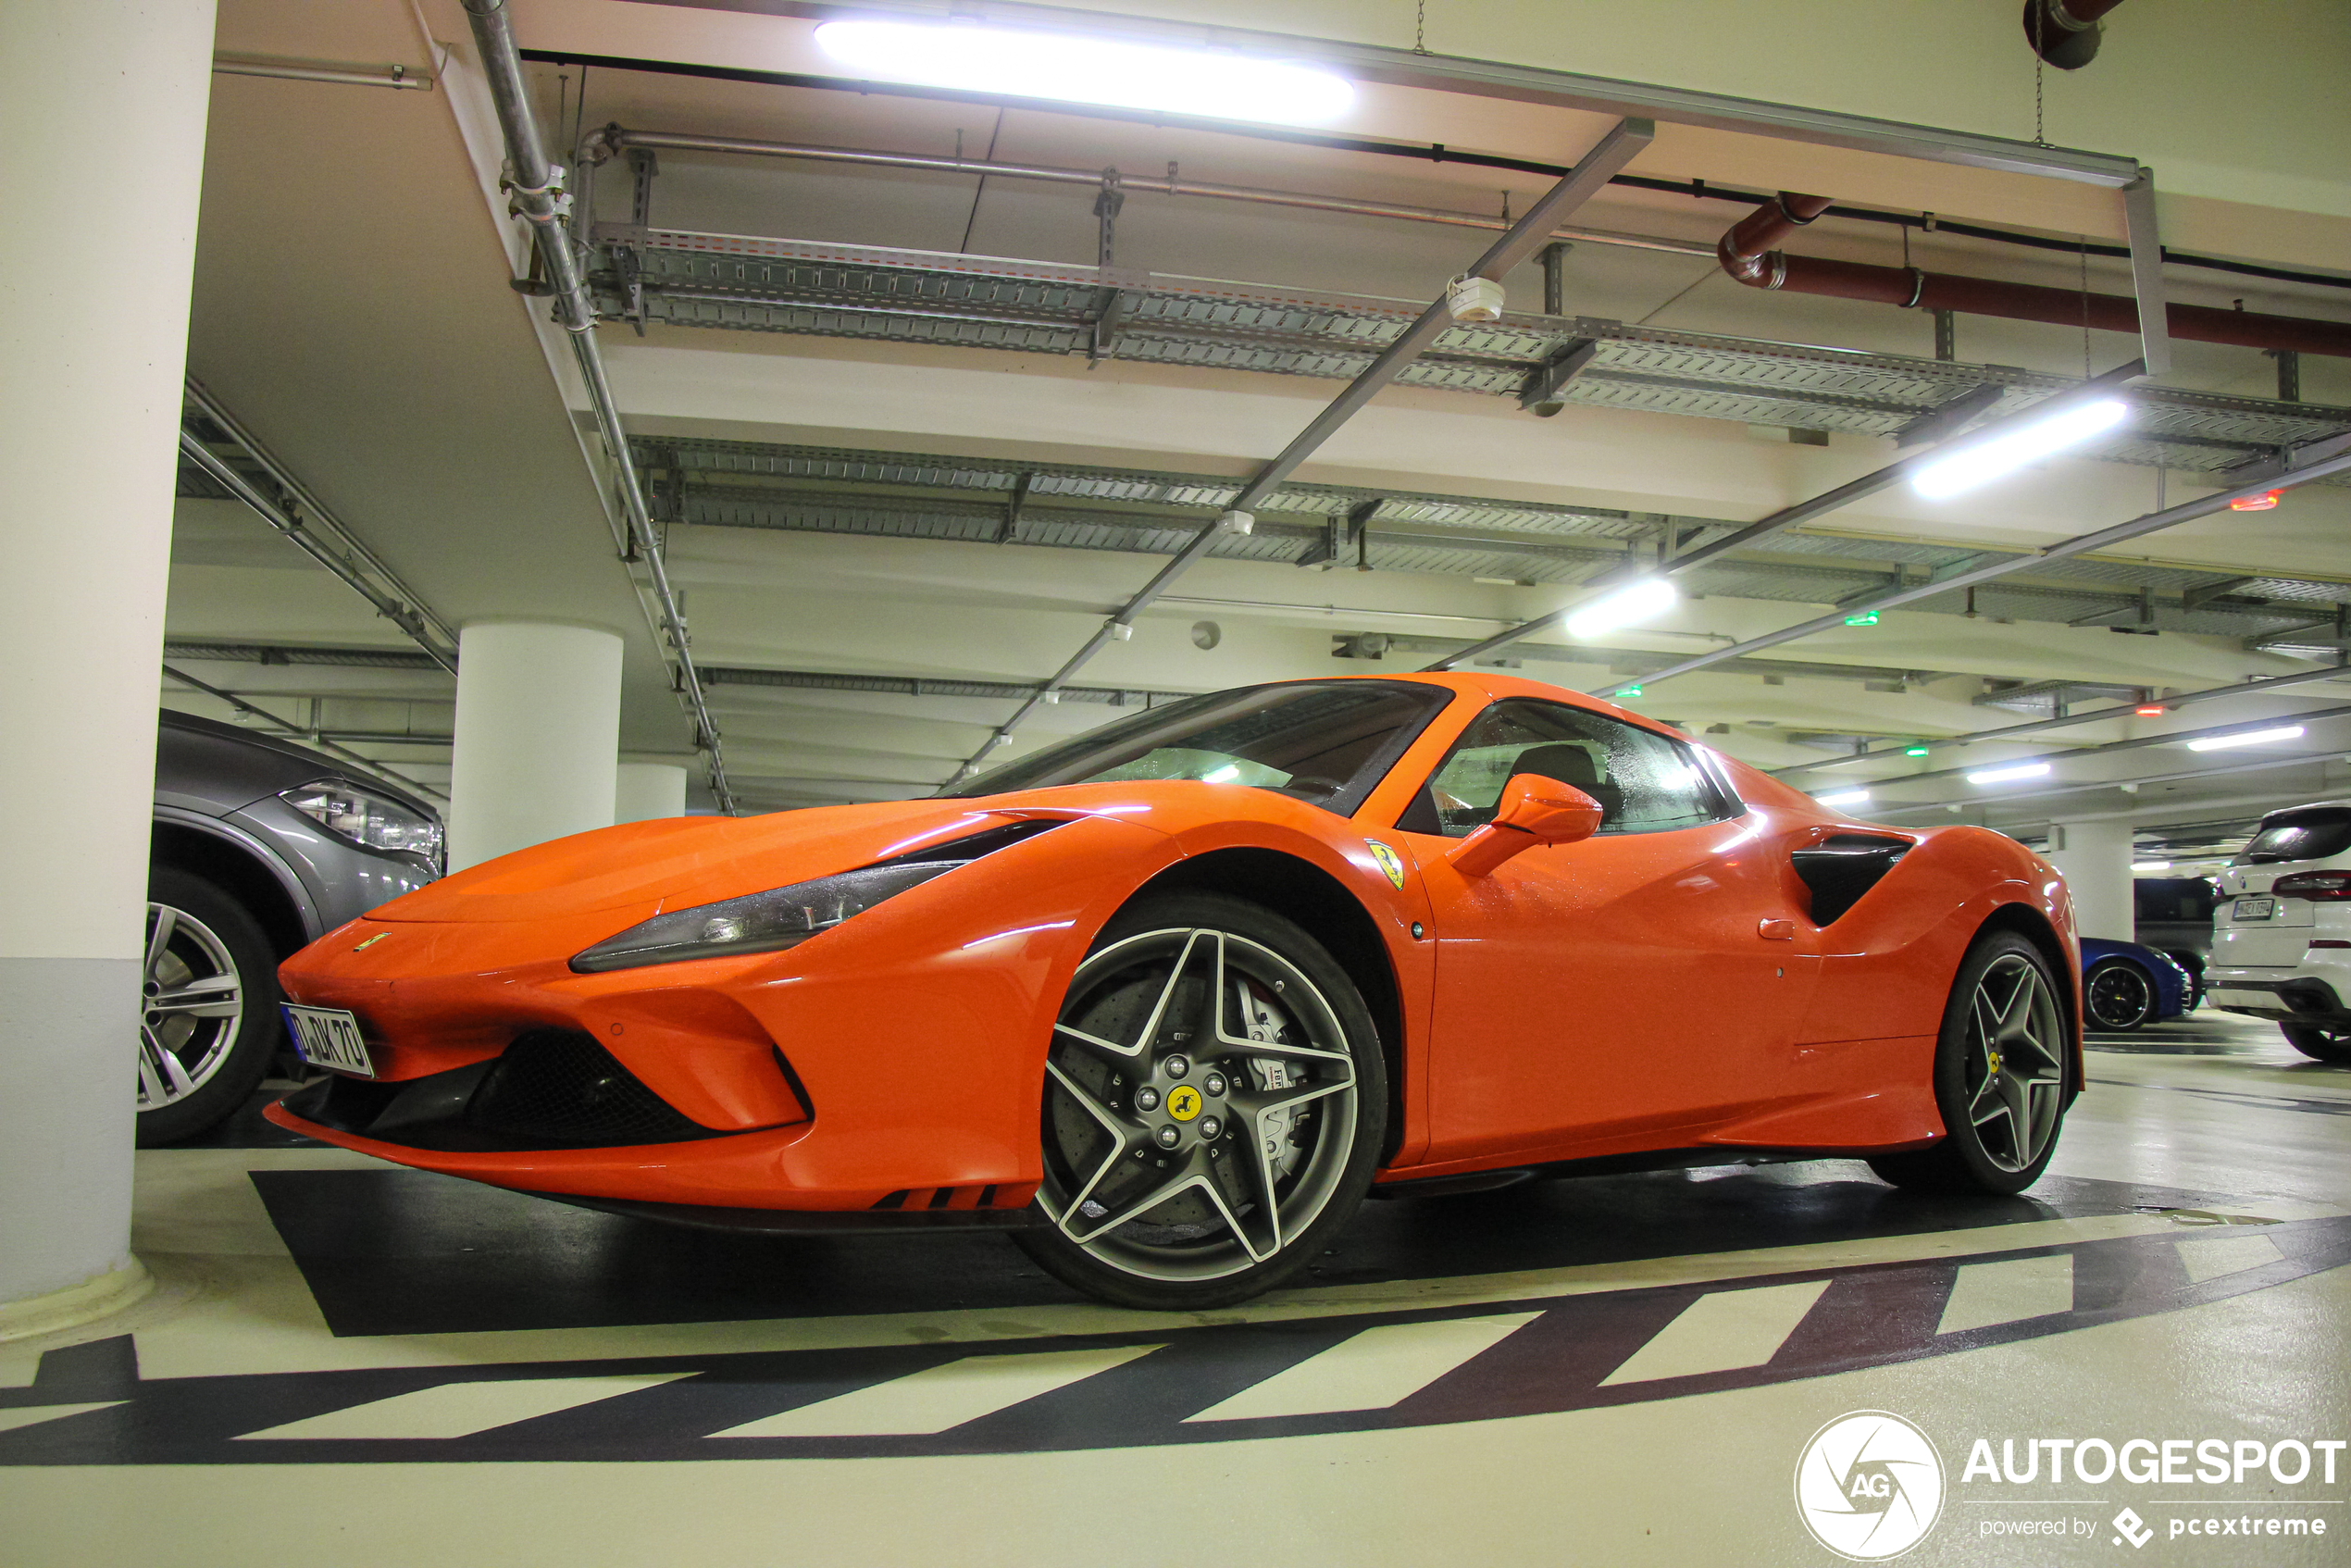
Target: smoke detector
{"x": 1472, "y": 299}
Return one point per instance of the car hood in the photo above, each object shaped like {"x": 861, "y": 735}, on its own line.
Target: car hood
{"x": 676, "y": 863}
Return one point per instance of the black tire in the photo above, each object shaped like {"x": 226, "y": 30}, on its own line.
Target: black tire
{"x": 1272, "y": 1133}
{"x": 2317, "y": 1044}
{"x": 1999, "y": 1136}
{"x": 2118, "y": 996}
{"x": 210, "y": 937}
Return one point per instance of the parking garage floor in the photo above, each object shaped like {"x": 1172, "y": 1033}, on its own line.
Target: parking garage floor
{"x": 1614, "y": 1370}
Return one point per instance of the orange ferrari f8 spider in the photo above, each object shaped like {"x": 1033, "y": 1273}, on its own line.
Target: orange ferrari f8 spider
{"x": 1165, "y": 1001}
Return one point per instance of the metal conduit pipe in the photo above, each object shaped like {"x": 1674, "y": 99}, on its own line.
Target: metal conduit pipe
{"x": 536, "y": 187}
{"x": 600, "y": 145}
{"x": 1747, "y": 252}
{"x": 2043, "y": 726}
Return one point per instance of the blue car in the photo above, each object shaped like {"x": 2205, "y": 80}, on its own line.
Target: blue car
{"x": 2127, "y": 986}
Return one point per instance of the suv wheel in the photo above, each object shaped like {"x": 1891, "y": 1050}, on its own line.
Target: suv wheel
{"x": 209, "y": 997}
{"x": 2320, "y": 1045}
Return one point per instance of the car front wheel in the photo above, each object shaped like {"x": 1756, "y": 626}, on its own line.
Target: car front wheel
{"x": 208, "y": 1017}
{"x": 1214, "y": 1107}
{"x": 2118, "y": 996}
{"x": 2002, "y": 1075}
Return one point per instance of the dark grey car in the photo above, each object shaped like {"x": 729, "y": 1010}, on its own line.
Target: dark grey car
{"x": 261, "y": 847}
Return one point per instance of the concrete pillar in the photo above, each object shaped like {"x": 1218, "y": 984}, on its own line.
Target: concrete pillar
{"x": 104, "y": 104}
{"x": 648, "y": 789}
{"x": 2095, "y": 859}
{"x": 538, "y": 725}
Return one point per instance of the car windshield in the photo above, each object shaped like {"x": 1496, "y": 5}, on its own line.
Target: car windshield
{"x": 1323, "y": 741}
{"x": 2309, "y": 834}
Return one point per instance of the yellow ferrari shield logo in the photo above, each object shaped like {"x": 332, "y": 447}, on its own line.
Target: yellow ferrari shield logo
{"x": 1389, "y": 861}
{"x": 1183, "y": 1104}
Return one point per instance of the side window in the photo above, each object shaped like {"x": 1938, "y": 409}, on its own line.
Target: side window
{"x": 1645, "y": 783}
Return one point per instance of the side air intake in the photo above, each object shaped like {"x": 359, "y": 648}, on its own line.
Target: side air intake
{"x": 1843, "y": 867}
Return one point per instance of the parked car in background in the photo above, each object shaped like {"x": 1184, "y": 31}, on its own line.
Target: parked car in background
{"x": 2282, "y": 929}
{"x": 260, "y": 847}
{"x": 2173, "y": 916}
{"x": 2126, "y": 987}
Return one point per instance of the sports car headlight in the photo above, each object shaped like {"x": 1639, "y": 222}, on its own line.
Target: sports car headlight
{"x": 366, "y": 818}
{"x": 768, "y": 922}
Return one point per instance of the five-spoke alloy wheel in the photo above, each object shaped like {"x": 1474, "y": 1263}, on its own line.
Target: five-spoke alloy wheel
{"x": 2118, "y": 996}
{"x": 2003, "y": 1075}
{"x": 1214, "y": 1101}
{"x": 208, "y": 1007}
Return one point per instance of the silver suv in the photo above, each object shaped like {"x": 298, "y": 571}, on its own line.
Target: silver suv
{"x": 260, "y": 848}
{"x": 2282, "y": 929}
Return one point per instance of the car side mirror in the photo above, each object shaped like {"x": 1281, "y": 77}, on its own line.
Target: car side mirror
{"x": 1533, "y": 810}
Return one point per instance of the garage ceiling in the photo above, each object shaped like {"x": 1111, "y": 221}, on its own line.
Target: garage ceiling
{"x": 903, "y": 471}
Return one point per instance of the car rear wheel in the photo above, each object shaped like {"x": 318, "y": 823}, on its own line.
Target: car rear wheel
{"x": 2002, "y": 1075}
{"x": 1214, "y": 1108}
{"x": 2118, "y": 996}
{"x": 209, "y": 1007}
{"x": 2320, "y": 1045}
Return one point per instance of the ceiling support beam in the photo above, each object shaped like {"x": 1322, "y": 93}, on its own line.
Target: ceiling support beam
{"x": 1829, "y": 501}
{"x": 536, "y": 187}
{"x": 2136, "y": 743}
{"x": 2067, "y": 721}
{"x": 1590, "y": 176}
{"x": 2080, "y": 544}
{"x": 315, "y": 529}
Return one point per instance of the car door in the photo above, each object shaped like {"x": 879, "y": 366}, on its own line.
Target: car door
{"x": 1623, "y": 990}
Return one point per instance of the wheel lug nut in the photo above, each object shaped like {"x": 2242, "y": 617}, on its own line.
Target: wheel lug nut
{"x": 1146, "y": 1099}
{"x": 1213, "y": 1083}
{"x": 1177, "y": 1066}
{"x": 1169, "y": 1137}
{"x": 1209, "y": 1127}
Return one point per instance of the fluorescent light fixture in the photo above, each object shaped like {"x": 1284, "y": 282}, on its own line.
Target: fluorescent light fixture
{"x": 1640, "y": 601}
{"x": 1843, "y": 798}
{"x": 1023, "y": 64}
{"x": 2003, "y": 775}
{"x": 1984, "y": 460}
{"x": 2150, "y": 865}
{"x": 2253, "y": 737}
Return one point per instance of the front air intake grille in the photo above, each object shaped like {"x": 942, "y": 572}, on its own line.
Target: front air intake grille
{"x": 560, "y": 1087}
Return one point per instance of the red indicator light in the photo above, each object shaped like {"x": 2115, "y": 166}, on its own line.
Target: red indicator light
{"x": 2262, "y": 503}
{"x": 2149, "y": 710}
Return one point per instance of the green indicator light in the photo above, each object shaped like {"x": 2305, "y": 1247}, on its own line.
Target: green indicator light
{"x": 1915, "y": 752}
{"x": 1868, "y": 617}
{"x": 1629, "y": 691}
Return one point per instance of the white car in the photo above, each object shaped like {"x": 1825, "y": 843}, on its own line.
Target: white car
{"x": 2282, "y": 929}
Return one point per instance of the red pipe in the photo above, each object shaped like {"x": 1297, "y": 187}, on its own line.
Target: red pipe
{"x": 1746, "y": 256}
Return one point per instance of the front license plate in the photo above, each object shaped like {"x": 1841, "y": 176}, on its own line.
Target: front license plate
{"x": 326, "y": 1036}
{"x": 2256, "y": 909}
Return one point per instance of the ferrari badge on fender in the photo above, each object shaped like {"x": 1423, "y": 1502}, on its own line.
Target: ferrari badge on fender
{"x": 1389, "y": 862}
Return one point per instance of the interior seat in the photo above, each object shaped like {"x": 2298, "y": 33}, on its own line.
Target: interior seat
{"x": 1572, "y": 764}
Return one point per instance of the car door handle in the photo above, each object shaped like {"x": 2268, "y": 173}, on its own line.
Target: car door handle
{"x": 1776, "y": 930}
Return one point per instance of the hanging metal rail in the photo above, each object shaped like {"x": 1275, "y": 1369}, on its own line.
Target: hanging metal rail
{"x": 536, "y": 187}
{"x": 1591, "y": 175}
